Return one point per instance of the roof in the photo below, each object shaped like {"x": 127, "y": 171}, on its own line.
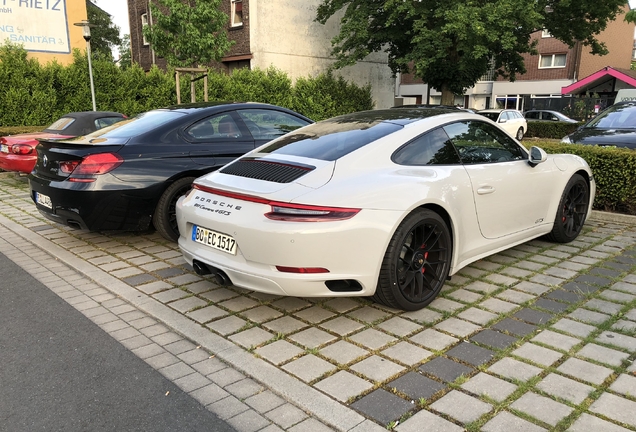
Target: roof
{"x": 597, "y": 78}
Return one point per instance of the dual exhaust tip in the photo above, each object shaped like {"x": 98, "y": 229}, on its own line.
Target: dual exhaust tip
{"x": 220, "y": 278}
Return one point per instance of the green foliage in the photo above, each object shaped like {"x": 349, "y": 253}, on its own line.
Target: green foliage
{"x": 105, "y": 34}
{"x": 450, "y": 44}
{"x": 188, "y": 33}
{"x": 326, "y": 96}
{"x": 548, "y": 129}
{"x": 614, "y": 171}
{"x": 39, "y": 94}
{"x": 14, "y": 130}
{"x": 125, "y": 55}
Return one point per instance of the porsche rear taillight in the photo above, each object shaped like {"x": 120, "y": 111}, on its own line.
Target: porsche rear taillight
{"x": 21, "y": 149}
{"x": 307, "y": 213}
{"x": 84, "y": 171}
{"x": 287, "y": 211}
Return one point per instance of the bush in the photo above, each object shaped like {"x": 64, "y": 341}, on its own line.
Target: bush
{"x": 14, "y": 130}
{"x": 554, "y": 130}
{"x": 39, "y": 94}
{"x": 614, "y": 170}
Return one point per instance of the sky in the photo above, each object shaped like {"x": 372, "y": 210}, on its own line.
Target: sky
{"x": 118, "y": 10}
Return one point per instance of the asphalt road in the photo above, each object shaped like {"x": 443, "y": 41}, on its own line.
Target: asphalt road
{"x": 61, "y": 372}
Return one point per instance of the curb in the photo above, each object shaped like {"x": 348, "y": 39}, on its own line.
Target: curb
{"x": 320, "y": 406}
{"x": 604, "y": 216}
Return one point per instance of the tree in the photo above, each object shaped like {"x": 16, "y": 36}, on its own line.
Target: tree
{"x": 450, "y": 44}
{"x": 189, "y": 32}
{"x": 125, "y": 57}
{"x": 104, "y": 34}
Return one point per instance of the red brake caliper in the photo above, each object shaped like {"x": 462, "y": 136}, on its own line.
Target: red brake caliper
{"x": 423, "y": 270}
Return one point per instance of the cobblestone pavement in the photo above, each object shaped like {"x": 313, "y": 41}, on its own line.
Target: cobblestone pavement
{"x": 539, "y": 337}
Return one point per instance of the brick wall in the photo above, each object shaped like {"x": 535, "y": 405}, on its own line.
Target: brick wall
{"x": 619, "y": 39}
{"x": 142, "y": 54}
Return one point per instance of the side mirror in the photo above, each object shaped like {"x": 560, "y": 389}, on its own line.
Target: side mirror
{"x": 503, "y": 120}
{"x": 537, "y": 156}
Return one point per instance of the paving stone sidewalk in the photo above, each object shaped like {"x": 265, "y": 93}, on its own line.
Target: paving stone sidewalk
{"x": 539, "y": 337}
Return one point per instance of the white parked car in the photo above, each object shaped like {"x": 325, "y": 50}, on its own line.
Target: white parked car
{"x": 512, "y": 121}
{"x": 379, "y": 203}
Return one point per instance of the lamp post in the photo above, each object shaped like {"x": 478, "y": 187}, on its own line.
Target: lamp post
{"x": 86, "y": 28}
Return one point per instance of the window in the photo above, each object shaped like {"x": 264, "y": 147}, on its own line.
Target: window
{"x": 266, "y": 124}
{"x": 144, "y": 23}
{"x": 237, "y": 13}
{"x": 61, "y": 124}
{"x": 478, "y": 143}
{"x": 432, "y": 148}
{"x": 533, "y": 115}
{"x": 106, "y": 121}
{"x": 216, "y": 127}
{"x": 552, "y": 61}
{"x": 545, "y": 34}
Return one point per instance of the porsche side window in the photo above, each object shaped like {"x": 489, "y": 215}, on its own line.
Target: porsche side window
{"x": 478, "y": 143}
{"x": 432, "y": 148}
{"x": 216, "y": 127}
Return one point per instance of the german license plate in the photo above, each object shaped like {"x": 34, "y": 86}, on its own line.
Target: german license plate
{"x": 214, "y": 239}
{"x": 4, "y": 148}
{"x": 43, "y": 200}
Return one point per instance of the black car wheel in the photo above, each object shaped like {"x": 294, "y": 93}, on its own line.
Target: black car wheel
{"x": 572, "y": 211}
{"x": 520, "y": 134}
{"x": 416, "y": 263}
{"x": 165, "y": 217}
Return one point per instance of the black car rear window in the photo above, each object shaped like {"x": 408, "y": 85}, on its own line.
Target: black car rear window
{"x": 619, "y": 116}
{"x": 140, "y": 124}
{"x": 331, "y": 139}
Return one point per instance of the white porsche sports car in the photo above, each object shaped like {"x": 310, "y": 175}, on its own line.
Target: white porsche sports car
{"x": 384, "y": 203}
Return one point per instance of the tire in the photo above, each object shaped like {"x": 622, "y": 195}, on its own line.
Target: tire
{"x": 519, "y": 135}
{"x": 416, "y": 263}
{"x": 572, "y": 211}
{"x": 165, "y": 217}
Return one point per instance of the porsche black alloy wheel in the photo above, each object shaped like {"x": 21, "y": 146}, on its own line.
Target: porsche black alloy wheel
{"x": 572, "y": 211}
{"x": 165, "y": 217}
{"x": 416, "y": 263}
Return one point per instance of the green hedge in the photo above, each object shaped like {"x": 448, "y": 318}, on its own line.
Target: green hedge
{"x": 36, "y": 94}
{"x": 546, "y": 129}
{"x": 13, "y": 130}
{"x": 614, "y": 171}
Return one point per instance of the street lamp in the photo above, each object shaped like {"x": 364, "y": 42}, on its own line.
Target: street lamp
{"x": 86, "y": 27}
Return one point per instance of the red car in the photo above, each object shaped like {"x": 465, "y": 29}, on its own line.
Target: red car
{"x": 17, "y": 152}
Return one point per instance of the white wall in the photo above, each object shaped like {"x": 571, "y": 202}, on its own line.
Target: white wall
{"x": 283, "y": 33}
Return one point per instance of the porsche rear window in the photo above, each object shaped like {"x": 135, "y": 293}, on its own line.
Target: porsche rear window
{"x": 331, "y": 139}
{"x": 61, "y": 124}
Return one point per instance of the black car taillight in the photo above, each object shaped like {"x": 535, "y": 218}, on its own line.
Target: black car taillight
{"x": 92, "y": 165}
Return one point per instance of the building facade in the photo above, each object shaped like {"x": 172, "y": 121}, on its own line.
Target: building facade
{"x": 555, "y": 67}
{"x": 44, "y": 28}
{"x": 280, "y": 33}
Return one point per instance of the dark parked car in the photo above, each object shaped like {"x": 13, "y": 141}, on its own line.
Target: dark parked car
{"x": 447, "y": 107}
{"x": 615, "y": 126}
{"x": 17, "y": 152}
{"x": 547, "y": 115}
{"x": 130, "y": 175}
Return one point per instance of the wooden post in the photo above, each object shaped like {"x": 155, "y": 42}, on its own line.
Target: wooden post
{"x": 205, "y": 87}
{"x": 178, "y": 88}
{"x": 193, "y": 96}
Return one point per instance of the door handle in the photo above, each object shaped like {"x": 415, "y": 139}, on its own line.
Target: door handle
{"x": 484, "y": 190}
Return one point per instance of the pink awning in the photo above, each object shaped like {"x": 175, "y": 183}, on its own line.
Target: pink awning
{"x": 597, "y": 78}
